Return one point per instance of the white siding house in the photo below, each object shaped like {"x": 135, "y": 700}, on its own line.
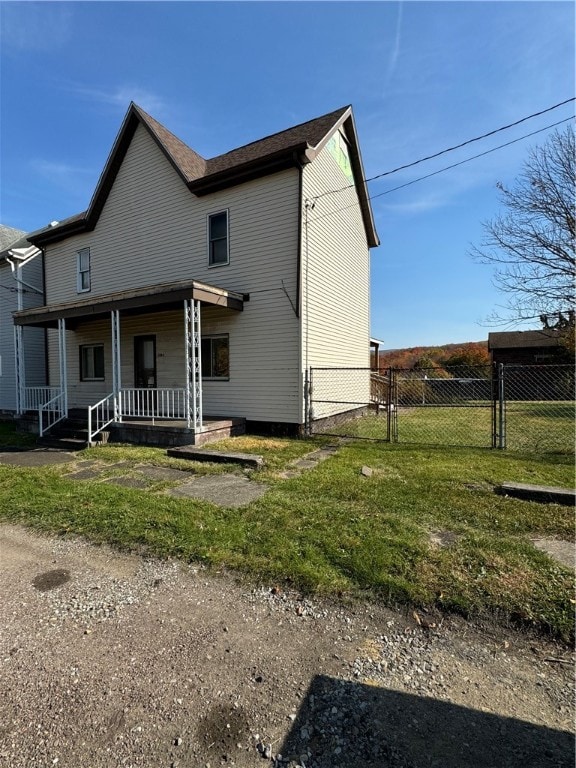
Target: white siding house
{"x": 21, "y": 287}
{"x": 196, "y": 289}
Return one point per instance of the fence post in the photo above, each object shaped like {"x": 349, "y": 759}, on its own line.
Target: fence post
{"x": 307, "y": 402}
{"x": 389, "y": 407}
{"x": 501, "y": 408}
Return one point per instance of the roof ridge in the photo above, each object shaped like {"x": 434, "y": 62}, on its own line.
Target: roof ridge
{"x": 333, "y": 114}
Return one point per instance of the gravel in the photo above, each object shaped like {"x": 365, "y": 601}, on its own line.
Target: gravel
{"x": 109, "y": 659}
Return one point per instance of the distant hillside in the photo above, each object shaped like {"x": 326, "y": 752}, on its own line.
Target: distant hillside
{"x": 468, "y": 353}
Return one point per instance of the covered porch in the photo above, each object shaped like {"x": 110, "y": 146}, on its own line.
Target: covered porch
{"x": 139, "y": 410}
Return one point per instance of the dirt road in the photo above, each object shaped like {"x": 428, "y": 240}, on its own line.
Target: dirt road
{"x": 109, "y": 659}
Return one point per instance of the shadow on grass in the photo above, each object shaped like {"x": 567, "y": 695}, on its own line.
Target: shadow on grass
{"x": 343, "y": 724}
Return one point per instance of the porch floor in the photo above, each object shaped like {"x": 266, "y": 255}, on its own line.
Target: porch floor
{"x": 173, "y": 432}
{"x": 209, "y": 423}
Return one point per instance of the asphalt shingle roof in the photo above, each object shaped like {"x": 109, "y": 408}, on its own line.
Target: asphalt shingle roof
{"x": 9, "y": 237}
{"x": 201, "y": 175}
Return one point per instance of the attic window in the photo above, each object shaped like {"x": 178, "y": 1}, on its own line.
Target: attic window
{"x": 218, "y": 239}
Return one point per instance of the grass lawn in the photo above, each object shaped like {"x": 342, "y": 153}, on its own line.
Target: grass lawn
{"x": 530, "y": 426}
{"x": 332, "y": 530}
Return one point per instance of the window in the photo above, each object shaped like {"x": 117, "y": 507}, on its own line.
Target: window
{"x": 218, "y": 239}
{"x": 92, "y": 362}
{"x": 83, "y": 270}
{"x": 215, "y": 357}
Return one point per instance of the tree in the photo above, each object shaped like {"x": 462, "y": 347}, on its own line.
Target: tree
{"x": 468, "y": 355}
{"x": 532, "y": 244}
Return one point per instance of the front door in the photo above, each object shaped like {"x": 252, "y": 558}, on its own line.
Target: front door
{"x": 145, "y": 362}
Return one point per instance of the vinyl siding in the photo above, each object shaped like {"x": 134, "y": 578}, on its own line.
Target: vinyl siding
{"x": 33, "y": 338}
{"x": 336, "y": 287}
{"x": 152, "y": 230}
{"x": 219, "y": 397}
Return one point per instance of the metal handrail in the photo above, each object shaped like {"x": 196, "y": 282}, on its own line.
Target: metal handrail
{"x": 99, "y": 416}
{"x": 54, "y": 410}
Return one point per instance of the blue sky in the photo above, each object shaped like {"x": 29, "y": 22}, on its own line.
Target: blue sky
{"x": 421, "y": 76}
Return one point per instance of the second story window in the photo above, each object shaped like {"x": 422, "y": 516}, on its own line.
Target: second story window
{"x": 218, "y": 239}
{"x": 83, "y": 270}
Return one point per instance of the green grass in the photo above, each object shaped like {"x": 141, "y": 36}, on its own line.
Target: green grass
{"x": 540, "y": 427}
{"x": 11, "y": 438}
{"x": 332, "y": 530}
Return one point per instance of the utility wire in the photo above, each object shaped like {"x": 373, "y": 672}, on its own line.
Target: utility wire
{"x": 442, "y": 170}
{"x": 474, "y": 157}
{"x": 450, "y": 149}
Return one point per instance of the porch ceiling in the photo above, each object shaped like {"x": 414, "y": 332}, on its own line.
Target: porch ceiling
{"x": 152, "y": 298}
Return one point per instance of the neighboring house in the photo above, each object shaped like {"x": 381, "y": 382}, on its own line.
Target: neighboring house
{"x": 542, "y": 347}
{"x": 192, "y": 288}
{"x": 535, "y": 364}
{"x": 21, "y": 287}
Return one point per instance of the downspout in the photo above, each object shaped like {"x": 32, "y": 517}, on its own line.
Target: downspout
{"x": 16, "y": 267}
{"x": 305, "y": 384}
{"x": 45, "y": 329}
{"x": 300, "y": 167}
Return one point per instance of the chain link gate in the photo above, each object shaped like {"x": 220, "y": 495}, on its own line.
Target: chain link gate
{"x": 519, "y": 407}
{"x": 538, "y": 407}
{"x": 435, "y": 407}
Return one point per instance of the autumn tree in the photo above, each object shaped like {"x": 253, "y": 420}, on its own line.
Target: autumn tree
{"x": 468, "y": 355}
{"x": 532, "y": 243}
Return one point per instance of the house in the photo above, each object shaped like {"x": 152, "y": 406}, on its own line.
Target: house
{"x": 193, "y": 289}
{"x": 21, "y": 287}
{"x": 534, "y": 365}
{"x": 543, "y": 347}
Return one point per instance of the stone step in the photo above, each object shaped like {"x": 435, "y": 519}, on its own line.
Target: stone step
{"x": 65, "y": 444}
{"x": 230, "y": 457}
{"x": 545, "y": 494}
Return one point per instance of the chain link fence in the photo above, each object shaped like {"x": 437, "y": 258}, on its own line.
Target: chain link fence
{"x": 539, "y": 407}
{"x": 529, "y": 408}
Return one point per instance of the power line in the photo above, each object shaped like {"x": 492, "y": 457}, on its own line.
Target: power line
{"x": 450, "y": 149}
{"x": 442, "y": 170}
{"x": 474, "y": 157}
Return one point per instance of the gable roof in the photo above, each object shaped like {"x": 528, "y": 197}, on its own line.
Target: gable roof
{"x": 293, "y": 147}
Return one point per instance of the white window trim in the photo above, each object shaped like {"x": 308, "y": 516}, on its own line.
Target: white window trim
{"x": 92, "y": 378}
{"x": 80, "y": 272}
{"x": 208, "y": 241}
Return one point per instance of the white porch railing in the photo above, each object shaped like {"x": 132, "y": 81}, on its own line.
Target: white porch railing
{"x": 379, "y": 386}
{"x": 99, "y": 416}
{"x": 152, "y": 403}
{"x": 34, "y": 397}
{"x": 52, "y": 412}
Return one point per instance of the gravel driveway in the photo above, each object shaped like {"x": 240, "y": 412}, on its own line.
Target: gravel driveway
{"x": 109, "y": 659}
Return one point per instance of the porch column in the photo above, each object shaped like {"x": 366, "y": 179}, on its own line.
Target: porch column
{"x": 63, "y": 365}
{"x": 193, "y": 344}
{"x": 116, "y": 364}
{"x": 19, "y": 370}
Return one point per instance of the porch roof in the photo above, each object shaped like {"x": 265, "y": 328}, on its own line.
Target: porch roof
{"x": 151, "y": 298}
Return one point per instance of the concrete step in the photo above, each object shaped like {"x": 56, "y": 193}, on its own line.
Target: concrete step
{"x": 65, "y": 444}
{"x": 192, "y": 453}
{"x": 545, "y": 494}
